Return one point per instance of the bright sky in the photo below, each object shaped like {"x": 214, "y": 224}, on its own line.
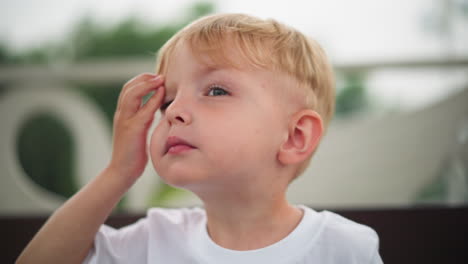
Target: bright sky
{"x": 351, "y": 31}
{"x": 348, "y": 29}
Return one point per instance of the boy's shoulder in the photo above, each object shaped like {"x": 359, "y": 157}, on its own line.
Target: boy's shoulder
{"x": 345, "y": 228}
{"x": 345, "y": 236}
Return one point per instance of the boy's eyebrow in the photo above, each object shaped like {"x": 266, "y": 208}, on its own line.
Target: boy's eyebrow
{"x": 212, "y": 68}
{"x": 206, "y": 70}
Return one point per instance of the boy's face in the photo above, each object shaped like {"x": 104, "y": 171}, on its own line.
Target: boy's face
{"x": 234, "y": 119}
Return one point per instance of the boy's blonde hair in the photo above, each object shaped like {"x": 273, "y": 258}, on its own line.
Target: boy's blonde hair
{"x": 266, "y": 44}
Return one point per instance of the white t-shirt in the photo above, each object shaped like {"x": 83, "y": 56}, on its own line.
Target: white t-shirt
{"x": 180, "y": 236}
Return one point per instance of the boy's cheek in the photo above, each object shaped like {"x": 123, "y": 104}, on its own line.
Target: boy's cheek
{"x": 158, "y": 126}
{"x": 156, "y": 142}
{"x": 154, "y": 152}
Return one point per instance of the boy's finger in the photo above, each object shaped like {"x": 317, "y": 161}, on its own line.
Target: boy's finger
{"x": 141, "y": 76}
{"x": 132, "y": 82}
{"x": 147, "y": 111}
{"x": 131, "y": 99}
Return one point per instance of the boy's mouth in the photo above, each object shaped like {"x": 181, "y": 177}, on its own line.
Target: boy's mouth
{"x": 175, "y": 145}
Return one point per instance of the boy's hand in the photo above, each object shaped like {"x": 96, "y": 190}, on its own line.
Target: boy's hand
{"x": 131, "y": 124}
{"x": 61, "y": 240}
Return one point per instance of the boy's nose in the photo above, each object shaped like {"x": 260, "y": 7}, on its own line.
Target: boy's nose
{"x": 177, "y": 113}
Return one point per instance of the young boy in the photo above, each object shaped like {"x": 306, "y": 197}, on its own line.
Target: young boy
{"x": 244, "y": 104}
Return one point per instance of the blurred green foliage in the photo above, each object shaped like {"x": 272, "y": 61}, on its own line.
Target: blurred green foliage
{"x": 127, "y": 39}
{"x": 132, "y": 37}
{"x": 104, "y": 95}
{"x": 3, "y": 53}
{"x": 351, "y": 98}
{"x": 45, "y": 150}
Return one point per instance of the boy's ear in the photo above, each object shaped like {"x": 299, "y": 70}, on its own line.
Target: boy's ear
{"x": 304, "y": 132}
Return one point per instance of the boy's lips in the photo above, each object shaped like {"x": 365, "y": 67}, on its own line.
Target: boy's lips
{"x": 176, "y": 145}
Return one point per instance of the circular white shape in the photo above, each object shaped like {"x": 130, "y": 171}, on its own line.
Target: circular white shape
{"x": 82, "y": 118}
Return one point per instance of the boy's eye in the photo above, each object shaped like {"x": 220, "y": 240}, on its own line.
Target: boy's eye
{"x": 165, "y": 105}
{"x": 217, "y": 91}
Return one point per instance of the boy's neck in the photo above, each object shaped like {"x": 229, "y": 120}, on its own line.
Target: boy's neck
{"x": 246, "y": 225}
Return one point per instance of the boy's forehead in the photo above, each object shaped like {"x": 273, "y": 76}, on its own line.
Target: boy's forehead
{"x": 223, "y": 55}
{"x": 192, "y": 63}
{"x": 228, "y": 59}
{"x": 186, "y": 60}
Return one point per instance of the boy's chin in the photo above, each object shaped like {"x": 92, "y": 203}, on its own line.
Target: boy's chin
{"x": 183, "y": 179}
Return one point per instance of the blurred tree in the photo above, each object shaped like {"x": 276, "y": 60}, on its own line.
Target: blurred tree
{"x": 89, "y": 40}
{"x": 3, "y": 54}
{"x": 4, "y": 58}
{"x": 352, "y": 98}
